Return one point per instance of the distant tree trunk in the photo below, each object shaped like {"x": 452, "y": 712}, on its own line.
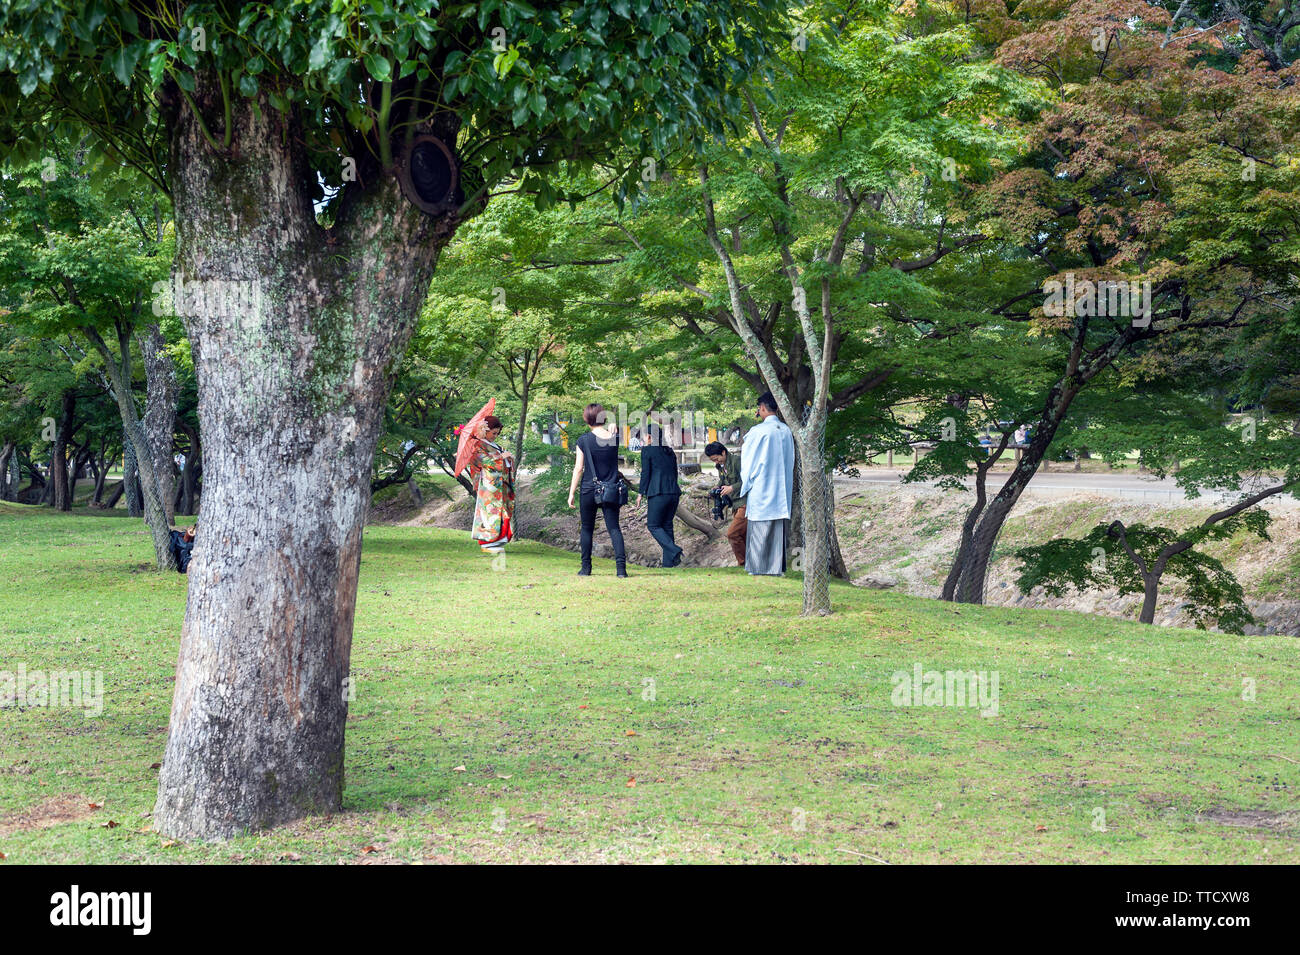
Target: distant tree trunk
{"x": 6, "y": 456}
{"x": 527, "y": 369}
{"x": 160, "y": 414}
{"x": 153, "y": 504}
{"x": 115, "y": 496}
{"x": 131, "y": 481}
{"x": 61, "y": 497}
{"x": 193, "y": 466}
{"x": 839, "y": 567}
{"x": 99, "y": 466}
{"x": 1151, "y": 592}
{"x": 960, "y": 559}
{"x": 972, "y": 572}
{"x": 46, "y": 496}
{"x": 413, "y": 488}
{"x": 76, "y": 469}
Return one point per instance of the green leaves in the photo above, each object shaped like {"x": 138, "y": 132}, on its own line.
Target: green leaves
{"x": 378, "y": 66}
{"x": 122, "y": 62}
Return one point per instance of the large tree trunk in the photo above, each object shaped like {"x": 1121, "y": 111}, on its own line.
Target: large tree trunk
{"x": 524, "y": 396}
{"x": 292, "y": 345}
{"x": 160, "y": 414}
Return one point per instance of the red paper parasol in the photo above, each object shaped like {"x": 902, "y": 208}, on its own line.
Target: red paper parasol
{"x": 469, "y": 438}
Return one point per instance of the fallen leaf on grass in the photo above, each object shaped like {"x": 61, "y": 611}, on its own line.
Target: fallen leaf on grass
{"x": 630, "y": 733}
{"x": 458, "y": 769}
{"x": 631, "y": 781}
{"x": 289, "y": 857}
{"x": 366, "y": 850}
{"x": 111, "y": 824}
{"x": 1040, "y": 828}
{"x": 95, "y": 805}
{"x": 168, "y": 843}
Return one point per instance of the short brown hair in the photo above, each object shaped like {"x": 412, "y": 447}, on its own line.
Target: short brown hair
{"x": 493, "y": 422}
{"x": 594, "y": 414}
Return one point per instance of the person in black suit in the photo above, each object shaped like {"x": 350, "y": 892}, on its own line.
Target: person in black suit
{"x": 661, "y": 491}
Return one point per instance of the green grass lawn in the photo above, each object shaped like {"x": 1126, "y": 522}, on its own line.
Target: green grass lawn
{"x": 529, "y": 715}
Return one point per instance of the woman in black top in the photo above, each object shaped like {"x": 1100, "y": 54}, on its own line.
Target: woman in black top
{"x": 597, "y": 461}
{"x": 660, "y": 489}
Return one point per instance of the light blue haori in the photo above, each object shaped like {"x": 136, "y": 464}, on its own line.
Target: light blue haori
{"x": 767, "y": 480}
{"x": 767, "y": 471}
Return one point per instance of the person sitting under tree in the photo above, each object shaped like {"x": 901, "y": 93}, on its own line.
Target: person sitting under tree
{"x": 181, "y": 544}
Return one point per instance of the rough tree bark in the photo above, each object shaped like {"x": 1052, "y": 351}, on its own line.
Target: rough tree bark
{"x": 118, "y": 370}
{"x": 293, "y": 342}
{"x": 193, "y": 465}
{"x": 131, "y": 478}
{"x": 160, "y": 414}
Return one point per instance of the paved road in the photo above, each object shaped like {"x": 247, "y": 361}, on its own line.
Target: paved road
{"x": 1058, "y": 483}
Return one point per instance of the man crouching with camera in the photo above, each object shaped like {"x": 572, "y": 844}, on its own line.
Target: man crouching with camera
{"x": 728, "y": 463}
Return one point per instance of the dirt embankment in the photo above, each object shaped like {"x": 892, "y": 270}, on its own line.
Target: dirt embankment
{"x": 904, "y": 538}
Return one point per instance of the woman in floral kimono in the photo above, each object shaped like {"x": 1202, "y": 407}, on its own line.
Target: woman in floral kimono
{"x": 491, "y": 469}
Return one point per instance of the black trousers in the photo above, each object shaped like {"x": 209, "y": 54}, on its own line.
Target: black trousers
{"x": 587, "y": 509}
{"x": 660, "y": 509}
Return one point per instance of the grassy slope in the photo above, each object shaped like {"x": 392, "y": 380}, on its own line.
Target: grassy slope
{"x": 531, "y": 679}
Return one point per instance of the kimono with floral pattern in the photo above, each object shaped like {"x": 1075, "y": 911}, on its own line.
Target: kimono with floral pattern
{"x": 494, "y": 507}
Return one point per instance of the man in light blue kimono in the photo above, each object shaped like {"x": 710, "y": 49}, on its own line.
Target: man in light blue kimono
{"x": 767, "y": 482}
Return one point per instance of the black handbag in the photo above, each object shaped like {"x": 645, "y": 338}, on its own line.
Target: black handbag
{"x": 611, "y": 492}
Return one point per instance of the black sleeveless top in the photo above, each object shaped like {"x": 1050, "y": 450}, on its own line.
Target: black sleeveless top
{"x": 600, "y": 457}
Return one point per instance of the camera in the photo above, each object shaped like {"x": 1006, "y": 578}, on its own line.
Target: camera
{"x": 720, "y": 501}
